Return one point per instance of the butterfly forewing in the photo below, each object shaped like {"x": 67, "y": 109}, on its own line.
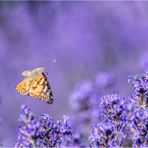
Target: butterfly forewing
{"x": 23, "y": 86}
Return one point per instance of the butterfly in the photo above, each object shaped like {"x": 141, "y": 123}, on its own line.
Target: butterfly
{"x": 36, "y": 85}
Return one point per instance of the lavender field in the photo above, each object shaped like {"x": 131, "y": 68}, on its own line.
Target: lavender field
{"x": 95, "y": 56}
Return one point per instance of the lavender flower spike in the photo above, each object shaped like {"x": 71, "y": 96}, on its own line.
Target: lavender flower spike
{"x": 114, "y": 108}
{"x": 140, "y": 84}
{"x": 139, "y": 128}
{"x": 28, "y": 126}
{"x": 43, "y": 131}
{"x": 105, "y": 134}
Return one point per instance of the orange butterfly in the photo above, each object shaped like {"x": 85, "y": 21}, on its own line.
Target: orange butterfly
{"x": 35, "y": 84}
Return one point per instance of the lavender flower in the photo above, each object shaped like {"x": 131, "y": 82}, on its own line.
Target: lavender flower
{"x": 82, "y": 97}
{"x": 28, "y": 126}
{"x": 43, "y": 131}
{"x": 140, "y": 84}
{"x": 114, "y": 108}
{"x": 83, "y": 102}
{"x": 69, "y": 137}
{"x": 49, "y": 132}
{"x": 139, "y": 119}
{"x": 109, "y": 132}
{"x": 139, "y": 128}
{"x": 105, "y": 134}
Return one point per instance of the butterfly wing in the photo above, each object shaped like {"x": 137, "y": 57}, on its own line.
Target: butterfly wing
{"x": 23, "y": 86}
{"x": 36, "y": 85}
{"x": 40, "y": 88}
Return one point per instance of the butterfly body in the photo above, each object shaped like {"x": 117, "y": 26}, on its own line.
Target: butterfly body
{"x": 36, "y": 85}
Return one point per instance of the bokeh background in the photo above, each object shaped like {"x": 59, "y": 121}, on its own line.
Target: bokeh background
{"x": 74, "y": 41}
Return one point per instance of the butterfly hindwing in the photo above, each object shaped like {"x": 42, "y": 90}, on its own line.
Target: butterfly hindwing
{"x": 40, "y": 88}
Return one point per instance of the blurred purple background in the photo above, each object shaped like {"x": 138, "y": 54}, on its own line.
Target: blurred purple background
{"x": 74, "y": 41}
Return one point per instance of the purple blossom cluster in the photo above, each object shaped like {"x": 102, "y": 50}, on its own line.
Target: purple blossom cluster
{"x": 86, "y": 95}
{"x": 140, "y": 95}
{"x": 139, "y": 118}
{"x": 106, "y": 134}
{"x": 108, "y": 121}
{"x": 43, "y": 131}
{"x": 109, "y": 132}
{"x": 139, "y": 126}
{"x": 114, "y": 108}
